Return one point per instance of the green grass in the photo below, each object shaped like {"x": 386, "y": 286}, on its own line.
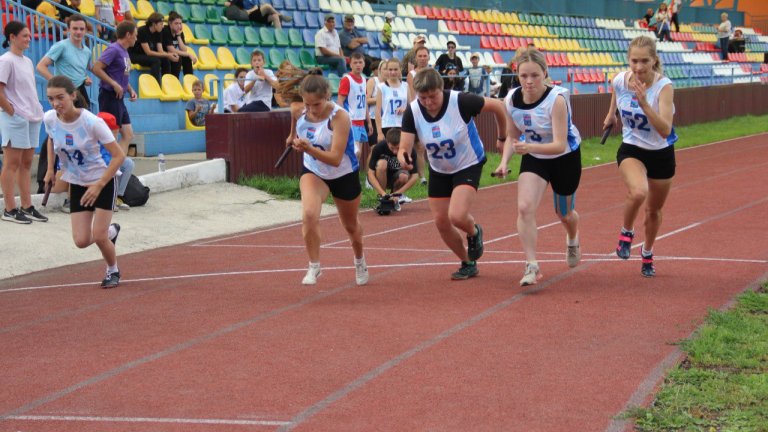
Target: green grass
{"x": 723, "y": 384}
{"x": 592, "y": 153}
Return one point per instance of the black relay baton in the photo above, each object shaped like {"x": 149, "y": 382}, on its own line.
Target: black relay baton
{"x": 282, "y": 157}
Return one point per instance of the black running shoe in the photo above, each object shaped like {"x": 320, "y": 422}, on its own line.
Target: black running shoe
{"x": 111, "y": 280}
{"x": 475, "y": 244}
{"x": 648, "y": 270}
{"x": 117, "y": 232}
{"x": 466, "y": 271}
{"x": 32, "y": 213}
{"x": 16, "y": 216}
{"x": 625, "y": 244}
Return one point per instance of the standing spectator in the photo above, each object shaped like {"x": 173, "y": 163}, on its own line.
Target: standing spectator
{"x": 662, "y": 23}
{"x": 724, "y": 30}
{"x": 105, "y": 13}
{"x": 352, "y": 97}
{"x": 253, "y": 11}
{"x": 148, "y": 49}
{"x": 421, "y": 58}
{"x": 234, "y": 94}
{"x": 738, "y": 43}
{"x": 71, "y": 58}
{"x": 409, "y": 60}
{"x": 386, "y": 30}
{"x": 392, "y": 98}
{"x": 113, "y": 68}
{"x": 449, "y": 58}
{"x": 20, "y": 122}
{"x": 258, "y": 85}
{"x": 174, "y": 43}
{"x": 353, "y": 41}
{"x": 328, "y": 47}
{"x": 674, "y": 10}
{"x": 477, "y": 76}
{"x": 372, "y": 91}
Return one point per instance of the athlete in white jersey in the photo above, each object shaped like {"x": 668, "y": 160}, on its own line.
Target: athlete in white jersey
{"x": 372, "y": 90}
{"x": 392, "y": 99}
{"x": 646, "y": 158}
{"x": 443, "y": 121}
{"x": 76, "y": 136}
{"x": 321, "y": 130}
{"x": 550, "y": 154}
{"x": 352, "y": 96}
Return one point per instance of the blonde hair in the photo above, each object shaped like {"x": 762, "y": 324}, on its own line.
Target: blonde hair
{"x": 650, "y": 44}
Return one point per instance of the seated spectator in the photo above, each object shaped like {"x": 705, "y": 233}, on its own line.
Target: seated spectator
{"x": 199, "y": 107}
{"x": 386, "y": 30}
{"x": 354, "y": 41}
{"x": 648, "y": 17}
{"x": 385, "y": 172}
{"x": 259, "y": 83}
{"x": 253, "y": 11}
{"x": 494, "y": 82}
{"x": 449, "y": 58}
{"x": 64, "y": 15}
{"x": 477, "y": 76}
{"x": 49, "y": 10}
{"x": 452, "y": 80}
{"x": 328, "y": 47}
{"x": 174, "y": 43}
{"x": 737, "y": 44}
{"x": 234, "y": 94}
{"x": 148, "y": 50}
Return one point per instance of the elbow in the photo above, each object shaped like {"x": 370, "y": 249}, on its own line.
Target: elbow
{"x": 665, "y": 133}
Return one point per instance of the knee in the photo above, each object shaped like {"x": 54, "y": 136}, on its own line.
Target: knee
{"x": 526, "y": 209}
{"x": 653, "y": 214}
{"x": 637, "y": 194}
{"x": 82, "y": 241}
{"x": 351, "y": 226}
{"x": 443, "y": 223}
{"x": 310, "y": 219}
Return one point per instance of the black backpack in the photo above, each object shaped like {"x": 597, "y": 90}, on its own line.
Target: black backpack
{"x": 136, "y": 194}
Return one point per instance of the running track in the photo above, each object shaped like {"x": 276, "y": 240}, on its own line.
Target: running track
{"x": 220, "y": 335}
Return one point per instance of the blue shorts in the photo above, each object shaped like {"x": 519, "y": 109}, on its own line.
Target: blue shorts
{"x": 19, "y": 132}
{"x": 108, "y": 102}
{"x": 360, "y": 133}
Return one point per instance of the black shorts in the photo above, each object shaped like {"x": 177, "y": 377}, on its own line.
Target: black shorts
{"x": 442, "y": 185}
{"x": 660, "y": 164}
{"x": 392, "y": 176}
{"x": 256, "y": 16}
{"x": 346, "y": 187}
{"x": 563, "y": 173}
{"x": 108, "y": 102}
{"x": 373, "y": 137}
{"x": 105, "y": 201}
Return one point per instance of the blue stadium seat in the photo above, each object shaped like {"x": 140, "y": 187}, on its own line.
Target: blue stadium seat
{"x": 303, "y": 6}
{"x": 289, "y": 5}
{"x": 299, "y": 19}
{"x": 374, "y": 53}
{"x": 309, "y": 37}
{"x": 313, "y": 5}
{"x": 386, "y": 55}
{"x": 373, "y": 41}
{"x": 312, "y": 21}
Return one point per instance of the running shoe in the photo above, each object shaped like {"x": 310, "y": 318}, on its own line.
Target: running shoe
{"x": 648, "y": 270}
{"x": 16, "y": 216}
{"x": 117, "y": 233}
{"x": 311, "y": 277}
{"x": 532, "y": 275}
{"x": 625, "y": 244}
{"x": 423, "y": 180}
{"x": 111, "y": 280}
{"x": 397, "y": 207}
{"x": 361, "y": 273}
{"x": 404, "y": 199}
{"x": 33, "y": 214}
{"x": 65, "y": 207}
{"x": 572, "y": 255}
{"x": 475, "y": 244}
{"x": 121, "y": 204}
{"x": 466, "y": 271}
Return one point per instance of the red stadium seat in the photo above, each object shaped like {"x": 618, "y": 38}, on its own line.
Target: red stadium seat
{"x": 467, "y": 15}
{"x": 419, "y": 9}
{"x": 498, "y": 58}
{"x": 452, "y": 26}
{"x": 428, "y": 12}
{"x": 476, "y": 28}
{"x": 496, "y": 29}
{"x": 468, "y": 29}
{"x": 484, "y": 29}
{"x": 564, "y": 59}
{"x": 508, "y": 44}
{"x": 484, "y": 42}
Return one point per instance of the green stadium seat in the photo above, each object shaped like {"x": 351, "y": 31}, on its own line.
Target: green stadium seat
{"x": 183, "y": 9}
{"x": 275, "y": 58}
{"x": 293, "y": 57}
{"x": 334, "y": 80}
{"x": 213, "y": 15}
{"x": 219, "y": 35}
{"x": 163, "y": 7}
{"x": 252, "y": 37}
{"x": 307, "y": 59}
{"x": 197, "y": 14}
{"x": 267, "y": 36}
{"x": 209, "y": 2}
{"x": 243, "y": 56}
{"x": 297, "y": 40}
{"x": 203, "y": 32}
{"x": 281, "y": 38}
{"x": 236, "y": 36}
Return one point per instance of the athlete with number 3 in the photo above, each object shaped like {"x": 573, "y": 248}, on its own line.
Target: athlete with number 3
{"x": 443, "y": 121}
{"x": 646, "y": 157}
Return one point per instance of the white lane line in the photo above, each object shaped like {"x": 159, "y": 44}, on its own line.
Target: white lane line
{"x": 389, "y": 231}
{"x": 149, "y": 420}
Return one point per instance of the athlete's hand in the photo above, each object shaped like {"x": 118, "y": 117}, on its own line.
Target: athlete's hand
{"x": 609, "y": 121}
{"x": 50, "y": 177}
{"x": 405, "y": 160}
{"x": 521, "y": 147}
{"x": 500, "y": 172}
{"x": 639, "y": 88}
{"x": 90, "y": 195}
{"x": 301, "y": 144}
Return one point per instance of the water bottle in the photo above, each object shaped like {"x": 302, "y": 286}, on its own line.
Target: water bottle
{"x": 161, "y": 162}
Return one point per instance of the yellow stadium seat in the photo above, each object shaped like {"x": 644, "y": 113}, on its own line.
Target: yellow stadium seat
{"x": 190, "y": 37}
{"x": 206, "y": 59}
{"x": 173, "y": 90}
{"x": 558, "y": 45}
{"x": 513, "y": 18}
{"x": 143, "y": 9}
{"x": 572, "y": 59}
{"x": 474, "y": 15}
{"x": 87, "y": 8}
{"x": 189, "y": 125}
{"x": 187, "y": 83}
{"x": 212, "y": 86}
{"x": 149, "y": 88}
{"x": 226, "y": 61}
{"x": 228, "y": 79}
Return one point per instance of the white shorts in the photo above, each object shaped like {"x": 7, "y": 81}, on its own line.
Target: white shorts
{"x": 19, "y": 132}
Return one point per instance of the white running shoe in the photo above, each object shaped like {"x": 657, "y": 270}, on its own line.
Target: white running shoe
{"x": 311, "y": 277}
{"x": 573, "y": 255}
{"x": 361, "y": 273}
{"x": 532, "y": 275}
{"x": 404, "y": 199}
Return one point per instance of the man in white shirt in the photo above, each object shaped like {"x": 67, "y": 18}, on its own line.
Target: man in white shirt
{"x": 234, "y": 94}
{"x": 328, "y": 46}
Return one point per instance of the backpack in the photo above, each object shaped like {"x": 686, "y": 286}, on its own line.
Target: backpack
{"x": 136, "y": 194}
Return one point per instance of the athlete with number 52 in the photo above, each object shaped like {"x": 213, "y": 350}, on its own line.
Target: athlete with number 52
{"x": 646, "y": 158}
{"x": 77, "y": 137}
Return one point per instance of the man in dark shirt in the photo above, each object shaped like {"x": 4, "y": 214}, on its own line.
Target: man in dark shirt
{"x": 449, "y": 58}
{"x": 738, "y": 43}
{"x": 174, "y": 43}
{"x": 384, "y": 170}
{"x": 354, "y": 41}
{"x": 148, "y": 50}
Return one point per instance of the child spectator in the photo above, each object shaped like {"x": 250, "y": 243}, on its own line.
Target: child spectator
{"x": 258, "y": 85}
{"x": 452, "y": 79}
{"x": 199, "y": 107}
{"x": 234, "y": 94}
{"x": 477, "y": 76}
{"x": 386, "y": 31}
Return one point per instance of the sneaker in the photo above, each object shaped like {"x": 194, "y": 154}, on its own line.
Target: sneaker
{"x": 368, "y": 184}
{"x": 573, "y": 255}
{"x": 532, "y": 275}
{"x": 32, "y": 213}
{"x": 121, "y": 204}
{"x": 361, "y": 273}
{"x": 311, "y": 277}
{"x": 423, "y": 180}
{"x": 648, "y": 270}
{"x": 475, "y": 244}
{"x": 111, "y": 280}
{"x": 117, "y": 232}
{"x": 15, "y": 216}
{"x": 466, "y": 271}
{"x": 625, "y": 244}
{"x": 397, "y": 206}
{"x": 65, "y": 207}
{"x": 404, "y": 199}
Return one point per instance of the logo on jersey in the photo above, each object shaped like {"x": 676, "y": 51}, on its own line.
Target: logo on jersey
{"x": 633, "y": 103}
{"x": 394, "y": 93}
{"x": 527, "y": 120}
{"x": 435, "y": 131}
{"x": 311, "y": 133}
{"x": 69, "y": 140}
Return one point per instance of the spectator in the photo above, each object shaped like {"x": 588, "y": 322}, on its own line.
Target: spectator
{"x": 258, "y": 85}
{"x": 49, "y": 10}
{"x": 385, "y": 172}
{"x": 391, "y": 99}
{"x": 372, "y": 91}
{"x": 198, "y": 107}
{"x": 509, "y": 79}
{"x": 352, "y": 97}
{"x": 234, "y": 94}
{"x": 386, "y": 31}
{"x": 494, "y": 84}
{"x": 409, "y": 60}
{"x": 452, "y": 79}
{"x": 662, "y": 23}
{"x": 738, "y": 43}
{"x": 328, "y": 47}
{"x": 724, "y": 30}
{"x": 251, "y": 10}
{"x": 449, "y": 58}
{"x": 64, "y": 15}
{"x": 477, "y": 76}
{"x": 105, "y": 13}
{"x": 422, "y": 62}
{"x": 113, "y": 69}
{"x": 648, "y": 17}
{"x": 148, "y": 50}
{"x": 70, "y": 57}
{"x": 174, "y": 43}
{"x": 353, "y": 41}
{"x": 674, "y": 10}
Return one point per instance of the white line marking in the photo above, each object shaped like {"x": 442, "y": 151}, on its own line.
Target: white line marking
{"x": 150, "y": 420}
{"x": 382, "y": 232}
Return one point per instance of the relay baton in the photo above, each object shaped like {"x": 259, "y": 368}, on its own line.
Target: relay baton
{"x": 282, "y": 157}
{"x": 495, "y": 174}
{"x": 47, "y": 193}
{"x": 606, "y": 132}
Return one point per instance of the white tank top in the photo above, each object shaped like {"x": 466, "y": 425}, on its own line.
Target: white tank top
{"x": 451, "y": 144}
{"x": 321, "y": 135}
{"x": 356, "y": 102}
{"x": 536, "y": 123}
{"x": 78, "y": 145}
{"x": 636, "y": 129}
{"x": 391, "y": 100}
{"x": 374, "y": 93}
